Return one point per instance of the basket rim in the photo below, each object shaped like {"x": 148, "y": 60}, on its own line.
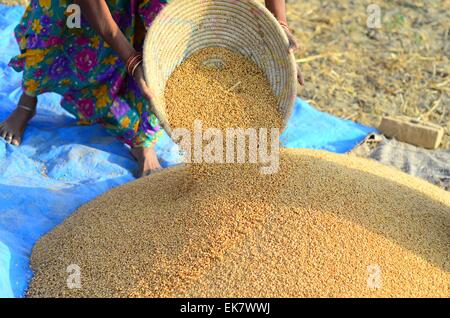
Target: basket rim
{"x": 266, "y": 14}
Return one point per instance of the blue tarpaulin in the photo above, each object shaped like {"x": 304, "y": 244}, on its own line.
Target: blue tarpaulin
{"x": 61, "y": 166}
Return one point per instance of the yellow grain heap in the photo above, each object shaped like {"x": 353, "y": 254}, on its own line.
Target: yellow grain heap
{"x": 325, "y": 225}
{"x": 223, "y": 89}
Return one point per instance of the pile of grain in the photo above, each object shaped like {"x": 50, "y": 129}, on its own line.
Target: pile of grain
{"x": 223, "y": 89}
{"x": 325, "y": 225}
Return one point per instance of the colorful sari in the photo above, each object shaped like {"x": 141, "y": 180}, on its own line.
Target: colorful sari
{"x": 77, "y": 64}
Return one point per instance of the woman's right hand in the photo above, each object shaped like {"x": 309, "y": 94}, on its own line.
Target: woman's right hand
{"x": 147, "y": 93}
{"x": 142, "y": 84}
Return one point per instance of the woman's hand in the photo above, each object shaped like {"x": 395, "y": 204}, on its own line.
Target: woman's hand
{"x": 140, "y": 81}
{"x": 278, "y": 9}
{"x": 147, "y": 93}
{"x": 293, "y": 46}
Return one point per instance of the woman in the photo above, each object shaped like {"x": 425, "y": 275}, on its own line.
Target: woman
{"x": 96, "y": 68}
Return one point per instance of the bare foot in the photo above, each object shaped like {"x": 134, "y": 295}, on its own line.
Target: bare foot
{"x": 14, "y": 126}
{"x": 147, "y": 160}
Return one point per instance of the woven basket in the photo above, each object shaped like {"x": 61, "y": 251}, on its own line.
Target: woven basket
{"x": 244, "y": 26}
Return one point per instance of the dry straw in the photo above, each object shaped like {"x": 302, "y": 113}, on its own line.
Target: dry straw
{"x": 361, "y": 73}
{"x": 247, "y": 27}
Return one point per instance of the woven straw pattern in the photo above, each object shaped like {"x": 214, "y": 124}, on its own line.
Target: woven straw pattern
{"x": 244, "y": 26}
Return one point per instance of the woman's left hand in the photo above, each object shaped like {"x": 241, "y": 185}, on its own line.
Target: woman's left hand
{"x": 293, "y": 46}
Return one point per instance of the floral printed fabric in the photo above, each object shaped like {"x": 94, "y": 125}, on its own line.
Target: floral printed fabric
{"x": 80, "y": 66}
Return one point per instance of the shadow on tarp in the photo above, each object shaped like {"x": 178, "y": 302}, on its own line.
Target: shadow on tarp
{"x": 61, "y": 166}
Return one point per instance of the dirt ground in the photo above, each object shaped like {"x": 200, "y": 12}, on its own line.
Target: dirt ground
{"x": 361, "y": 71}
